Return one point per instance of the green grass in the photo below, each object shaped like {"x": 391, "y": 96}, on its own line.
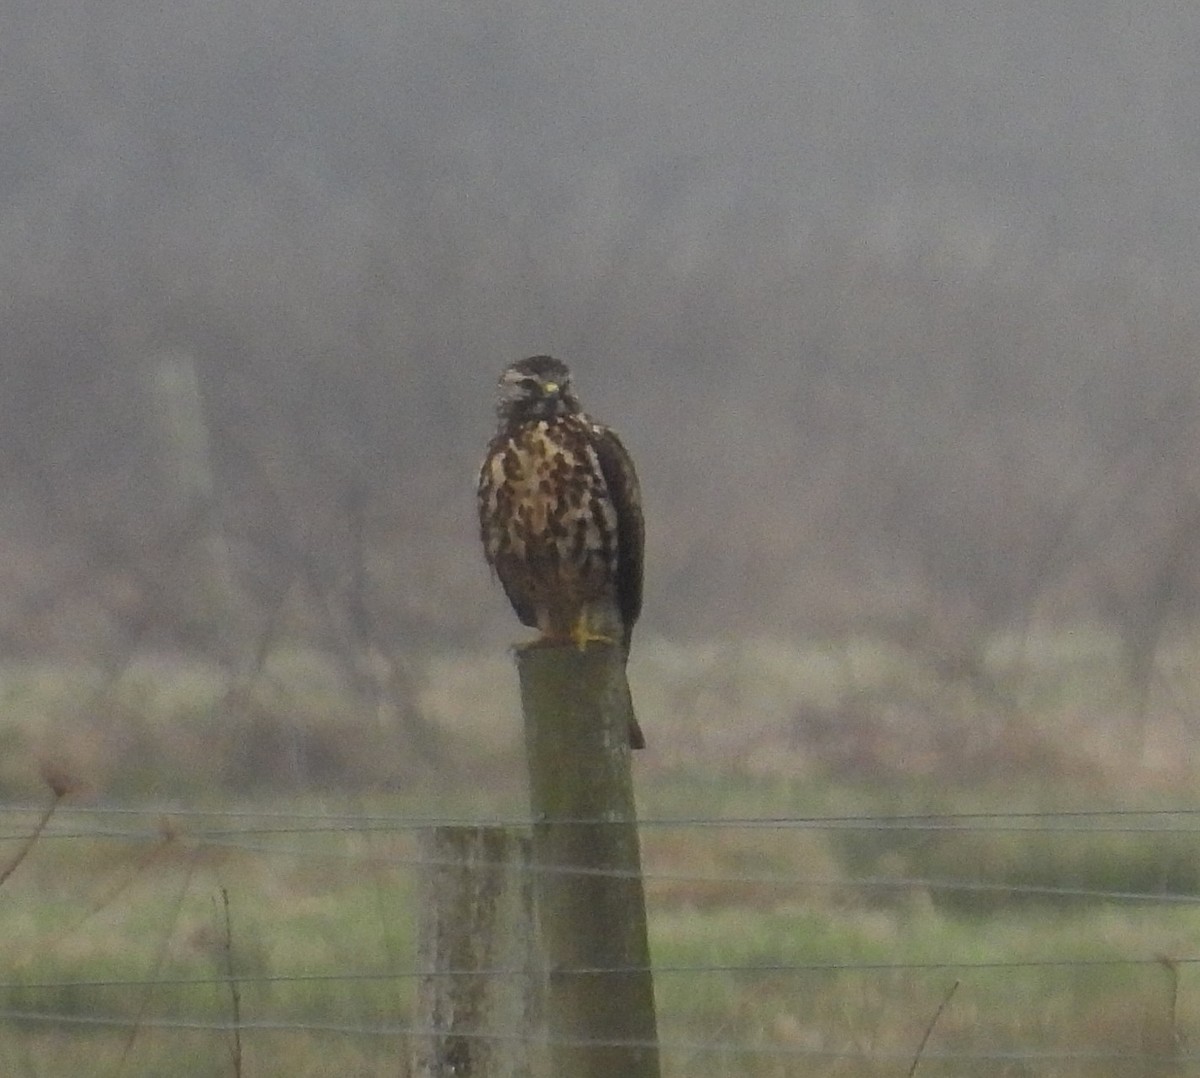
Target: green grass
{"x": 120, "y": 917}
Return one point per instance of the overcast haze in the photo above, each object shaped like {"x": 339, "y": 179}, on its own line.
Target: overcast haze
{"x": 895, "y": 306}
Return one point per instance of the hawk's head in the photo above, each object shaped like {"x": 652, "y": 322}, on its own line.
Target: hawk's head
{"x": 536, "y": 388}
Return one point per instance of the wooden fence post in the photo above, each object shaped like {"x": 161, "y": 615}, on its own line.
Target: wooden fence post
{"x": 587, "y": 864}
{"x": 476, "y": 946}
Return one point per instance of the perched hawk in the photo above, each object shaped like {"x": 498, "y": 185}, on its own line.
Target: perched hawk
{"x": 561, "y": 514}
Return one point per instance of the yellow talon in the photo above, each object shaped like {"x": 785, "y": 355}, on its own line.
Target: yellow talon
{"x": 582, "y": 635}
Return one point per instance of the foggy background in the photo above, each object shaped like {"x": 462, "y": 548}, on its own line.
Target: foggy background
{"x": 896, "y": 308}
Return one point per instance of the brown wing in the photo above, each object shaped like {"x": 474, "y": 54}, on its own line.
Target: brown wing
{"x": 621, "y": 479}
{"x": 513, "y": 585}
{"x": 494, "y": 510}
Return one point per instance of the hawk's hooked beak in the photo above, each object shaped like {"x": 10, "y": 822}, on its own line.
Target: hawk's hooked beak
{"x": 550, "y": 388}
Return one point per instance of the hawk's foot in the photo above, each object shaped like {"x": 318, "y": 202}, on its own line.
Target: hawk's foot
{"x": 582, "y": 634}
{"x": 576, "y": 638}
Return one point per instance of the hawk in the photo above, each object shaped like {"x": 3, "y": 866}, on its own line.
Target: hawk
{"x": 560, "y": 513}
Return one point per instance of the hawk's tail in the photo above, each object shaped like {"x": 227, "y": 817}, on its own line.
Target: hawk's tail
{"x": 637, "y": 740}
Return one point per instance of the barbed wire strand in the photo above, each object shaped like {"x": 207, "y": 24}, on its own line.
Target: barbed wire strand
{"x": 1071, "y": 820}
{"x": 902, "y": 883}
{"x": 1015, "y": 1055}
{"x": 761, "y": 968}
{"x": 780, "y": 880}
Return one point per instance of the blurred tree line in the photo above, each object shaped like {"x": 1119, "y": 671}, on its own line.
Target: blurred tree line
{"x": 896, "y": 407}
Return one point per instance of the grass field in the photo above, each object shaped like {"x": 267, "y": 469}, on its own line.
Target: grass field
{"x": 930, "y": 860}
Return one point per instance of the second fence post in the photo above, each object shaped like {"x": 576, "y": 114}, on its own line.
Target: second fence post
{"x": 479, "y": 997}
{"x": 587, "y": 863}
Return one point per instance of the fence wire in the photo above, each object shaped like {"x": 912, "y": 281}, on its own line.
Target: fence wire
{"x": 686, "y": 969}
{"x": 663, "y": 1044}
{"x": 277, "y": 833}
{"x": 1183, "y": 820}
{"x": 233, "y": 841}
